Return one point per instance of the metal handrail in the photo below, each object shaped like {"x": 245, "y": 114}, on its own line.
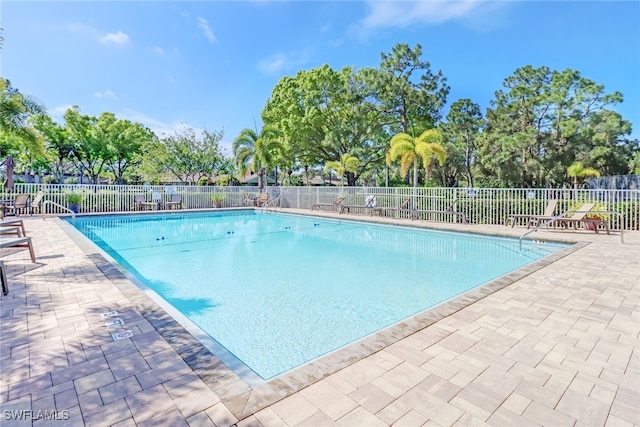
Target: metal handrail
{"x": 50, "y": 202}
{"x": 554, "y": 218}
{"x": 271, "y": 202}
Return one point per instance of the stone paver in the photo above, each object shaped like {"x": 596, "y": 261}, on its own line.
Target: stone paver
{"x": 555, "y": 346}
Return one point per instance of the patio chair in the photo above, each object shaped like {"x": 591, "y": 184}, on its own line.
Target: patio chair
{"x": 579, "y": 216}
{"x": 262, "y": 199}
{"x": 35, "y": 203}
{"x": 15, "y": 223}
{"x": 20, "y": 203}
{"x": 154, "y": 204}
{"x": 20, "y": 242}
{"x": 138, "y": 200}
{"x": 174, "y": 202}
{"x": 534, "y": 219}
{"x": 334, "y": 206}
{"x": 383, "y": 211}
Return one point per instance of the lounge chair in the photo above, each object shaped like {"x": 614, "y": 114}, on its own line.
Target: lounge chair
{"x": 383, "y": 211}
{"x": 175, "y": 201}
{"x": 449, "y": 211}
{"x": 21, "y": 242}
{"x": 334, "y": 206}
{"x": 20, "y": 203}
{"x": 534, "y": 219}
{"x": 262, "y": 199}
{"x": 369, "y": 203}
{"x": 16, "y": 224}
{"x": 579, "y": 216}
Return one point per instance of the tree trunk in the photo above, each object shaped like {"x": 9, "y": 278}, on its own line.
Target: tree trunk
{"x": 351, "y": 181}
{"x": 468, "y": 166}
{"x": 386, "y": 175}
{"x": 260, "y": 179}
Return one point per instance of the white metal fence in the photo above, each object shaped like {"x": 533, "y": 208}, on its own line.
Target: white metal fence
{"x": 480, "y": 205}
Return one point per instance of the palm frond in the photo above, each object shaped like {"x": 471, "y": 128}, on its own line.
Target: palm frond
{"x": 406, "y": 162}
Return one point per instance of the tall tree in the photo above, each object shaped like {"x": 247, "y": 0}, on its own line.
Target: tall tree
{"x": 461, "y": 132}
{"x": 125, "y": 141}
{"x": 89, "y": 138}
{"x": 57, "y": 145}
{"x": 544, "y": 121}
{"x": 190, "y": 156}
{"x": 426, "y": 147}
{"x": 408, "y": 94}
{"x": 149, "y": 162}
{"x": 321, "y": 114}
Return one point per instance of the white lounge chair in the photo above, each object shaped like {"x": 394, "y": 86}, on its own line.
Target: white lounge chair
{"x": 20, "y": 242}
{"x": 12, "y": 225}
{"x": 534, "y": 219}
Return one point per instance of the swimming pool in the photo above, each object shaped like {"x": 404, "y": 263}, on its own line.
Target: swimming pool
{"x": 280, "y": 290}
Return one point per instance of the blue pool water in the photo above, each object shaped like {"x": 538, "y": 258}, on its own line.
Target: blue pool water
{"x": 279, "y": 290}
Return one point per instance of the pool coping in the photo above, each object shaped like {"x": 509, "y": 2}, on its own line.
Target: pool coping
{"x": 244, "y": 399}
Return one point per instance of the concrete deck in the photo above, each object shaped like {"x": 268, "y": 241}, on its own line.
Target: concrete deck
{"x": 556, "y": 343}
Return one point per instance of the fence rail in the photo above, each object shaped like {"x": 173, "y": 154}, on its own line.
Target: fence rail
{"x": 480, "y": 205}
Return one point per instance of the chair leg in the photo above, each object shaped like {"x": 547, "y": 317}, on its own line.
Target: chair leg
{"x": 31, "y": 252}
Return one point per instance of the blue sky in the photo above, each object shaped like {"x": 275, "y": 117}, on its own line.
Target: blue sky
{"x": 213, "y": 64}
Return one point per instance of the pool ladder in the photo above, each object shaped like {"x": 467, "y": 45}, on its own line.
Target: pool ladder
{"x": 271, "y": 203}
{"x": 50, "y": 202}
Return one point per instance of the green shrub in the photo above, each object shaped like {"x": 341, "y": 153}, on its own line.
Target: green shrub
{"x": 74, "y": 198}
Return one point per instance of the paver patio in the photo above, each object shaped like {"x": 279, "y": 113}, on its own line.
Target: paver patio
{"x": 556, "y": 344}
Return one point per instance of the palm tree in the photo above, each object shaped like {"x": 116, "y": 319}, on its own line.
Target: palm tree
{"x": 256, "y": 152}
{"x": 408, "y": 149}
{"x": 577, "y": 170}
{"x": 243, "y": 148}
{"x": 347, "y": 163}
{"x": 15, "y": 109}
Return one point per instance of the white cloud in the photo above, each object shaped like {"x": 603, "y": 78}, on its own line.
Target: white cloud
{"x": 57, "y": 113}
{"x": 273, "y": 64}
{"x": 163, "y": 129}
{"x": 115, "y": 38}
{"x": 206, "y": 31}
{"x": 158, "y": 127}
{"x": 106, "y": 94}
{"x": 280, "y": 62}
{"x": 157, "y": 50}
{"x": 406, "y": 13}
